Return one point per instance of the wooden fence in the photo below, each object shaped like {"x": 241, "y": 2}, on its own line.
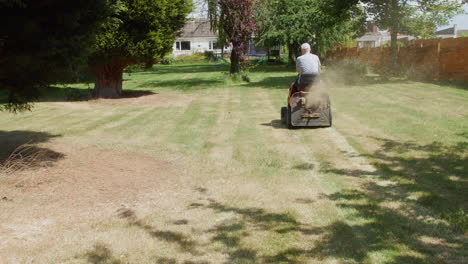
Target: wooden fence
{"x": 439, "y": 59}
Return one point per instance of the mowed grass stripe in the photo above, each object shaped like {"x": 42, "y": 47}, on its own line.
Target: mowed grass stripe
{"x": 220, "y": 140}
{"x": 136, "y": 125}
{"x": 252, "y": 144}
{"x": 210, "y": 137}
{"x": 198, "y": 118}
{"x": 110, "y": 115}
{"x": 45, "y": 120}
{"x": 38, "y": 111}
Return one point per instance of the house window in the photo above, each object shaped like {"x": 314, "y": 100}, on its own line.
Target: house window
{"x": 212, "y": 45}
{"x": 182, "y": 45}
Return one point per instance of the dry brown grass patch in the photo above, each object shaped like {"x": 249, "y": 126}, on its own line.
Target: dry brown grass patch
{"x": 27, "y": 157}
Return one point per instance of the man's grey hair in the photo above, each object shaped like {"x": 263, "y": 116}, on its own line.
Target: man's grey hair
{"x": 305, "y": 46}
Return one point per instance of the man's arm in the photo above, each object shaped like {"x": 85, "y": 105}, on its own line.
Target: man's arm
{"x": 298, "y": 69}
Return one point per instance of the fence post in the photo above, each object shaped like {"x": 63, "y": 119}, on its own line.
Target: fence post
{"x": 437, "y": 71}
{"x": 438, "y": 48}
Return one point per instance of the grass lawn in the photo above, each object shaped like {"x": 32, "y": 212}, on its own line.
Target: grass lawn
{"x": 191, "y": 168}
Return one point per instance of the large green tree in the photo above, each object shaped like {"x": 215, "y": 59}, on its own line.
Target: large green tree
{"x": 322, "y": 23}
{"x": 419, "y": 18}
{"x": 41, "y": 43}
{"x": 136, "y": 30}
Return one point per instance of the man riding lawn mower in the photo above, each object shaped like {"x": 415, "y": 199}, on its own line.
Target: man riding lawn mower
{"x": 307, "y": 105}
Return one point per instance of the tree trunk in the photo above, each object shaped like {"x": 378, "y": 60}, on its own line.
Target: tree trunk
{"x": 149, "y": 63}
{"x": 292, "y": 50}
{"x": 108, "y": 83}
{"x": 235, "y": 61}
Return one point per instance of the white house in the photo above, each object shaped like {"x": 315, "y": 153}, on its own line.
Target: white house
{"x": 376, "y": 38}
{"x": 196, "y": 36}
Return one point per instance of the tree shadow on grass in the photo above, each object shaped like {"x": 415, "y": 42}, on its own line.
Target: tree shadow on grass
{"x": 70, "y": 94}
{"x": 184, "y": 242}
{"x": 273, "y": 68}
{"x": 436, "y": 173}
{"x": 18, "y": 150}
{"x": 406, "y": 234}
{"x": 428, "y": 228}
{"x": 273, "y": 82}
{"x": 248, "y": 222}
{"x": 101, "y": 254}
{"x": 378, "y": 227}
{"x": 429, "y": 182}
{"x": 191, "y": 84}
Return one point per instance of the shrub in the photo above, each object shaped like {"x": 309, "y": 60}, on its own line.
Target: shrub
{"x": 210, "y": 56}
{"x": 190, "y": 58}
{"x": 167, "y": 60}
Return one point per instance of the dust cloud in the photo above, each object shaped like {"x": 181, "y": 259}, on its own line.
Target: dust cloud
{"x": 330, "y": 79}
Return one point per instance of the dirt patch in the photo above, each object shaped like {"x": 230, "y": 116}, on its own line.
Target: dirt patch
{"x": 87, "y": 185}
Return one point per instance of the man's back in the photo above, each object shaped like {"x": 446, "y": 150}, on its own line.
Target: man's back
{"x": 308, "y": 64}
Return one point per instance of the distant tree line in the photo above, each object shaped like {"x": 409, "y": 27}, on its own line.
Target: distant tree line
{"x": 325, "y": 23}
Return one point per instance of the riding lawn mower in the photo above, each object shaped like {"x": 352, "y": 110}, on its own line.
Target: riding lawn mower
{"x": 307, "y": 106}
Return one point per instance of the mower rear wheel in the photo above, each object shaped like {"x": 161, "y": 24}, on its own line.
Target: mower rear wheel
{"x": 288, "y": 118}
{"x": 284, "y": 112}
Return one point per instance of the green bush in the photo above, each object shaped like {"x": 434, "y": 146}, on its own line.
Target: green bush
{"x": 167, "y": 60}
{"x": 210, "y": 56}
{"x": 190, "y": 58}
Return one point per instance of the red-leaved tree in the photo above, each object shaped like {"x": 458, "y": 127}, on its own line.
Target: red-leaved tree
{"x": 233, "y": 19}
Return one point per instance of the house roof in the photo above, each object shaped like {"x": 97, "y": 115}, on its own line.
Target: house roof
{"x": 447, "y": 31}
{"x": 197, "y": 27}
{"x": 370, "y": 37}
